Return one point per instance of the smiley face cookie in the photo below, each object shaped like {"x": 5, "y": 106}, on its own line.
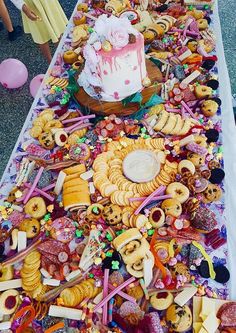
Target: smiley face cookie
{"x": 172, "y": 207}
{"x": 46, "y": 140}
{"x": 31, "y": 227}
{"x": 212, "y": 193}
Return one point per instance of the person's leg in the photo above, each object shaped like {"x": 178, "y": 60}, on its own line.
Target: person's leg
{"x": 45, "y": 49}
{"x": 5, "y": 16}
{"x": 13, "y": 32}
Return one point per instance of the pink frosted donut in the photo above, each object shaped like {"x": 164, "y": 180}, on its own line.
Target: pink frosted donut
{"x": 62, "y": 229}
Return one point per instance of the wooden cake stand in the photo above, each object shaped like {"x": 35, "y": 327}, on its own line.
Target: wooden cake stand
{"x": 107, "y": 108}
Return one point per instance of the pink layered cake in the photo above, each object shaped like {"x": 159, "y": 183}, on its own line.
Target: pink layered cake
{"x": 114, "y": 60}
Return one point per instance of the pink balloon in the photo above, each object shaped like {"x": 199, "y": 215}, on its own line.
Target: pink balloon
{"x": 13, "y": 73}
{"x": 35, "y": 84}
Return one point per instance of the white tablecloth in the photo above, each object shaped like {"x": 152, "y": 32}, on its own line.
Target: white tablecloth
{"x": 229, "y": 142}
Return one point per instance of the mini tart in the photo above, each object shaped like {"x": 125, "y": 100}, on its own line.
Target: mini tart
{"x": 9, "y": 300}
{"x": 157, "y": 217}
{"x": 161, "y": 300}
{"x": 70, "y": 57}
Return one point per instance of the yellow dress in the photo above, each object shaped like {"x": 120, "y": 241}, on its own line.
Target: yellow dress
{"x": 53, "y": 21}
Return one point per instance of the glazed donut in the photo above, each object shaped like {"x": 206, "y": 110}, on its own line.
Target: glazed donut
{"x": 79, "y": 19}
{"x": 200, "y": 140}
{"x": 178, "y": 191}
{"x": 161, "y": 300}
{"x": 202, "y": 24}
{"x": 186, "y": 165}
{"x": 70, "y": 57}
{"x": 149, "y": 36}
{"x": 6, "y": 273}
{"x": 82, "y": 7}
{"x": 157, "y": 217}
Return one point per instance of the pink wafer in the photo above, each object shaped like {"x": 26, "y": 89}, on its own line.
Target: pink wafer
{"x": 43, "y": 193}
{"x": 187, "y": 108}
{"x": 105, "y": 293}
{"x": 91, "y": 116}
{"x": 160, "y": 190}
{"x": 160, "y": 197}
{"x": 113, "y": 293}
{"x": 122, "y": 294}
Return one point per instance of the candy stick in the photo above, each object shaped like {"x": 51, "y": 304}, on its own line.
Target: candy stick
{"x": 160, "y": 190}
{"x": 55, "y": 327}
{"x": 187, "y": 108}
{"x": 105, "y": 293}
{"x": 43, "y": 193}
{"x": 172, "y": 110}
{"x": 49, "y": 187}
{"x": 78, "y": 118}
{"x": 90, "y": 16}
{"x": 80, "y": 127}
{"x": 36, "y": 180}
{"x": 68, "y": 129}
{"x": 122, "y": 294}
{"x": 110, "y": 308}
{"x": 142, "y": 284}
{"x": 187, "y": 24}
{"x": 113, "y": 293}
{"x": 160, "y": 197}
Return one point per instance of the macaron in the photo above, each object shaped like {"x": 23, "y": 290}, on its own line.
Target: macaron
{"x": 222, "y": 273}
{"x": 214, "y": 84}
{"x": 212, "y": 135}
{"x": 217, "y": 175}
{"x": 208, "y": 64}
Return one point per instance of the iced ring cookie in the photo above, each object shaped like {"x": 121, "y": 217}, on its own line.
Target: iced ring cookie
{"x": 157, "y": 217}
{"x": 161, "y": 300}
{"x": 62, "y": 229}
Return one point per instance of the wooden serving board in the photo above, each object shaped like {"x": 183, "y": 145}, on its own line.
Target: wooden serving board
{"x": 107, "y": 108}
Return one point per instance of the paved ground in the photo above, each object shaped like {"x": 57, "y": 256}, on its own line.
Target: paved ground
{"x": 14, "y": 105}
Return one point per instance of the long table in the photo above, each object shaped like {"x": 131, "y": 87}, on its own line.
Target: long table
{"x": 228, "y": 137}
